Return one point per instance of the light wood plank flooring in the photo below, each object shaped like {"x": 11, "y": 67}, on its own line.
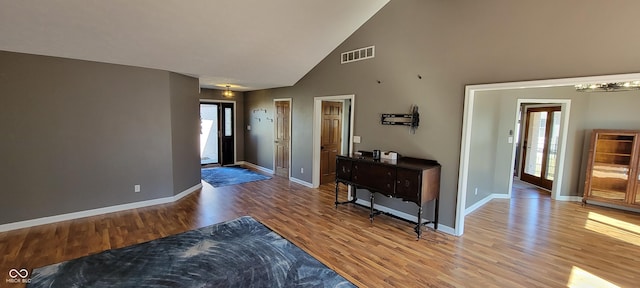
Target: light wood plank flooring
{"x": 522, "y": 242}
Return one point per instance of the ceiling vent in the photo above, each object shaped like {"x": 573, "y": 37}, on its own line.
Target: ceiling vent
{"x": 358, "y": 54}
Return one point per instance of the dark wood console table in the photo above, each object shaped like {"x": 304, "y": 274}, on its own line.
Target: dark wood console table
{"x": 410, "y": 179}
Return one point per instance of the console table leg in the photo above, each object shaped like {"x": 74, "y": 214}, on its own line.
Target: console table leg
{"x": 435, "y": 217}
{"x": 419, "y": 226}
{"x": 337, "y": 184}
{"x": 371, "y": 208}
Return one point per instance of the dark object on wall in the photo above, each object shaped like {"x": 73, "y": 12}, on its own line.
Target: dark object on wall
{"x": 412, "y": 119}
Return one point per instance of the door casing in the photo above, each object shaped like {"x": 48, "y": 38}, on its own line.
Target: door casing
{"x": 317, "y": 116}
{"x": 235, "y": 128}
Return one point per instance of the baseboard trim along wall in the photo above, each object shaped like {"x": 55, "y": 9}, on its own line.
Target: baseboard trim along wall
{"x": 267, "y": 170}
{"x": 98, "y": 211}
{"x": 254, "y": 166}
{"x": 486, "y": 200}
{"x": 406, "y": 216}
{"x": 301, "y": 182}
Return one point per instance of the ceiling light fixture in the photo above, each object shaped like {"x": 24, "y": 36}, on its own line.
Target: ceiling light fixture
{"x": 609, "y": 87}
{"x": 227, "y": 93}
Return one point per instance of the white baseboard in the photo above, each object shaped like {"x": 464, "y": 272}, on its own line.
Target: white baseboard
{"x": 254, "y": 166}
{"x": 267, "y": 170}
{"x": 301, "y": 182}
{"x": 486, "y": 200}
{"x": 405, "y": 216}
{"x": 97, "y": 211}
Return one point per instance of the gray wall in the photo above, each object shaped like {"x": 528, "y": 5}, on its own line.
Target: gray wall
{"x": 451, "y": 44}
{"x": 238, "y": 97}
{"x": 185, "y": 131}
{"x": 78, "y": 135}
{"x": 258, "y": 147}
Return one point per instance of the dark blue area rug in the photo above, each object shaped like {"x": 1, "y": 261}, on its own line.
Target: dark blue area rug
{"x": 224, "y": 176}
{"x": 237, "y": 253}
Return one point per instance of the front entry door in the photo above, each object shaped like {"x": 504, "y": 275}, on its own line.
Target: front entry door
{"x": 226, "y": 131}
{"x": 281, "y": 138}
{"x": 330, "y": 140}
{"x": 540, "y": 146}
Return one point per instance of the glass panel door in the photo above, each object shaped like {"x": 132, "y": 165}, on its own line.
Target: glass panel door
{"x": 208, "y": 134}
{"x": 540, "y": 145}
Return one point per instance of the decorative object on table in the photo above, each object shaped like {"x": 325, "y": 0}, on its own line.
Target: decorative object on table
{"x": 389, "y": 155}
{"x": 376, "y": 154}
{"x": 237, "y": 253}
{"x": 412, "y": 119}
{"x": 225, "y": 176}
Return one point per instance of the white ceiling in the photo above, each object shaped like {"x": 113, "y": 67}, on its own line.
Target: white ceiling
{"x": 249, "y": 44}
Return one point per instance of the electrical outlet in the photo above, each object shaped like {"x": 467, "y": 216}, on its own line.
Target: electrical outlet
{"x": 301, "y": 170}
{"x": 476, "y": 192}
{"x": 136, "y": 188}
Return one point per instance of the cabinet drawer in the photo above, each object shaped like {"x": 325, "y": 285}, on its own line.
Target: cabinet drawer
{"x": 380, "y": 178}
{"x": 343, "y": 169}
{"x": 408, "y": 185}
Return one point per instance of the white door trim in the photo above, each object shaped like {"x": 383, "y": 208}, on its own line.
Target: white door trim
{"x": 317, "y": 113}
{"x": 467, "y": 126}
{"x": 290, "y": 100}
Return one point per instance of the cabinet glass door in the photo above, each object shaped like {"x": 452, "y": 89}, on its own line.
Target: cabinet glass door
{"x": 636, "y": 199}
{"x": 611, "y": 166}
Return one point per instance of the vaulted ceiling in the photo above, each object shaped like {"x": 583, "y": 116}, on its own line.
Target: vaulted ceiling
{"x": 248, "y": 44}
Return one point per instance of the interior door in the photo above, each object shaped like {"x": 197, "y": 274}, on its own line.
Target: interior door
{"x": 330, "y": 139}
{"x": 281, "y": 138}
{"x": 540, "y": 145}
{"x": 226, "y": 130}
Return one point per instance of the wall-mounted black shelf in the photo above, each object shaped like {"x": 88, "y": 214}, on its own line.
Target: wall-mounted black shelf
{"x": 412, "y": 119}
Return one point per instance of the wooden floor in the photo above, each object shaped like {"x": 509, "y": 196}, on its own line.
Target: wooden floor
{"x": 522, "y": 242}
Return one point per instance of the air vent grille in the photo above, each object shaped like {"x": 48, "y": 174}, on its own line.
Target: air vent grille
{"x": 358, "y": 54}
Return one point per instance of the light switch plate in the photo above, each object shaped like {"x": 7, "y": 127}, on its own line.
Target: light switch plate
{"x": 356, "y": 139}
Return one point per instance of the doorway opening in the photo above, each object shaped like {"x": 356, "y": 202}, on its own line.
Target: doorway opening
{"x": 467, "y": 129}
{"x": 332, "y": 133}
{"x": 217, "y": 133}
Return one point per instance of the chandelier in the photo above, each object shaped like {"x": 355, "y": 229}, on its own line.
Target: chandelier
{"x": 227, "y": 93}
{"x": 609, "y": 87}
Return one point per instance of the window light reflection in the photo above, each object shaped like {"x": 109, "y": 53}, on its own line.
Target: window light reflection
{"x": 582, "y": 278}
{"x": 621, "y": 230}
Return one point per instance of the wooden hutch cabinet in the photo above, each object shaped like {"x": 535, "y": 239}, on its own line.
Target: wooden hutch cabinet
{"x": 613, "y": 172}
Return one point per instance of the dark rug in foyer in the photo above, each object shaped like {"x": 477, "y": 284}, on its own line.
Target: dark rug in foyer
{"x": 237, "y": 253}
{"x": 224, "y": 176}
